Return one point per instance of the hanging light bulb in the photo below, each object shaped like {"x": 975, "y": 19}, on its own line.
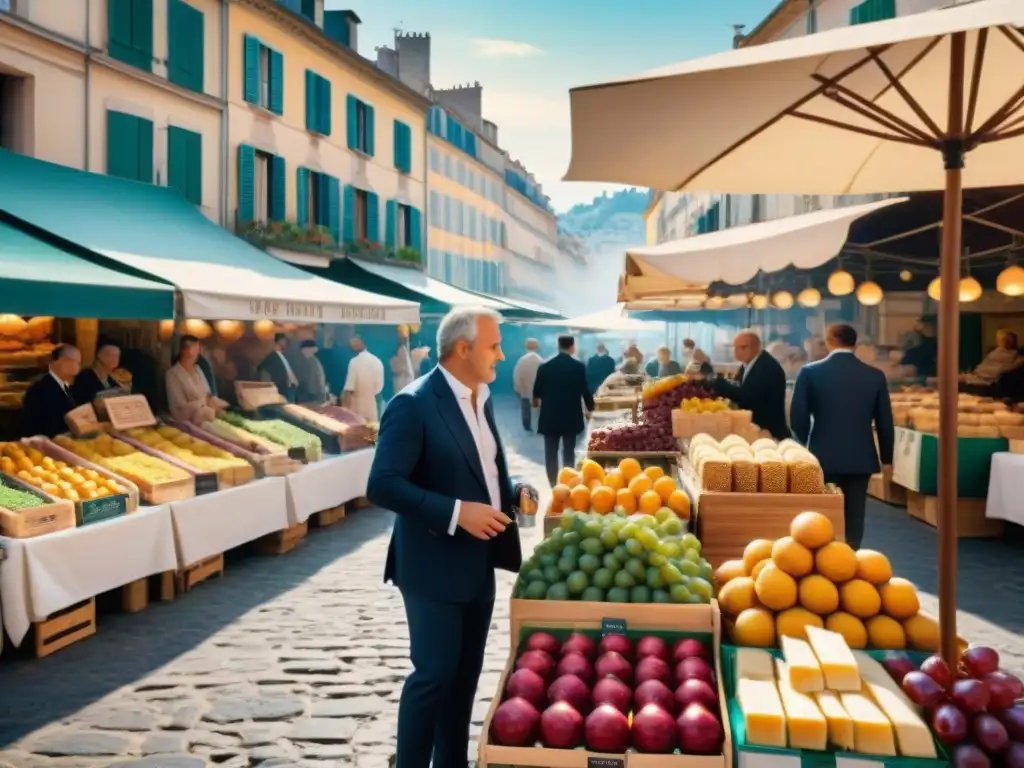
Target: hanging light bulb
{"x": 713, "y": 302}
{"x": 840, "y": 283}
{"x": 935, "y": 289}
{"x": 970, "y": 290}
{"x": 1011, "y": 281}
{"x": 906, "y": 275}
{"x": 870, "y": 294}
{"x": 759, "y": 301}
{"x": 783, "y": 300}
{"x": 809, "y": 297}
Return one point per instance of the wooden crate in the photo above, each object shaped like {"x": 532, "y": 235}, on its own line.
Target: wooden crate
{"x": 362, "y": 503}
{"x": 65, "y": 627}
{"x": 51, "y": 515}
{"x": 328, "y": 517}
{"x": 882, "y": 487}
{"x": 280, "y": 542}
{"x": 971, "y": 522}
{"x": 187, "y": 578}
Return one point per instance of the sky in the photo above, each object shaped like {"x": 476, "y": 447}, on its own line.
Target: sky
{"x": 527, "y": 54}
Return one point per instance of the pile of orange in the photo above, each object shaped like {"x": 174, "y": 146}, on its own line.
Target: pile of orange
{"x": 628, "y": 488}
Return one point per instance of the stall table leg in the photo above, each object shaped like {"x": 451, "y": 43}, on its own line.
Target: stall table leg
{"x": 362, "y": 503}
{"x": 65, "y": 627}
{"x": 135, "y": 596}
{"x": 165, "y": 586}
{"x": 280, "y": 542}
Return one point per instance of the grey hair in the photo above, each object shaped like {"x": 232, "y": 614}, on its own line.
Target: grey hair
{"x": 751, "y": 333}
{"x": 458, "y": 324}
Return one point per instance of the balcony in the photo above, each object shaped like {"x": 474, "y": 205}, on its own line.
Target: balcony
{"x": 319, "y": 241}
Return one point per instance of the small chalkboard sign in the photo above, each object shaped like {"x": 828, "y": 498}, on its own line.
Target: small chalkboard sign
{"x": 298, "y": 454}
{"x": 613, "y": 627}
{"x": 206, "y": 482}
{"x": 605, "y": 762}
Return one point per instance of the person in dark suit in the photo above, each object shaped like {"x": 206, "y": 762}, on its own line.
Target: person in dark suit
{"x": 561, "y": 392}
{"x": 50, "y": 398}
{"x": 98, "y": 378}
{"x": 762, "y": 385}
{"x": 599, "y": 368}
{"x": 835, "y": 403}
{"x": 275, "y": 368}
{"x": 440, "y": 467}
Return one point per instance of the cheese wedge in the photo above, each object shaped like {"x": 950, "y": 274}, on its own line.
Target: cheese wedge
{"x": 840, "y": 724}
{"x": 912, "y": 736}
{"x": 805, "y": 723}
{"x": 754, "y": 664}
{"x": 802, "y": 668}
{"x": 872, "y": 731}
{"x": 872, "y": 671}
{"x": 838, "y": 664}
{"x": 763, "y": 715}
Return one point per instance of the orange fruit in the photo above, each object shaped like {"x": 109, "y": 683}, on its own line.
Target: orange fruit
{"x": 640, "y": 485}
{"x": 624, "y": 498}
{"x": 654, "y": 472}
{"x": 590, "y": 470}
{"x": 630, "y": 468}
{"x": 573, "y": 480}
{"x": 664, "y": 486}
{"x": 614, "y": 479}
{"x": 595, "y": 483}
{"x": 565, "y": 473}
{"x": 649, "y": 503}
{"x": 679, "y": 503}
{"x": 580, "y": 498}
{"x": 602, "y": 499}
{"x": 559, "y": 498}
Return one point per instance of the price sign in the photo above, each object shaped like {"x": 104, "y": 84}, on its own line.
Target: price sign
{"x": 906, "y": 459}
{"x": 613, "y": 627}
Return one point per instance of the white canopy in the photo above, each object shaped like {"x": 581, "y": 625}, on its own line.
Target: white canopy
{"x": 737, "y": 254}
{"x": 612, "y": 319}
{"x": 421, "y": 283}
{"x": 772, "y": 118}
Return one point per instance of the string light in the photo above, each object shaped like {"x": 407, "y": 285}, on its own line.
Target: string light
{"x": 840, "y": 283}
{"x": 870, "y": 294}
{"x": 809, "y": 297}
{"x": 783, "y": 300}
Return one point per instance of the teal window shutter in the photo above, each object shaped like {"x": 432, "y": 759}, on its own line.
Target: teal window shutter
{"x": 119, "y": 30}
{"x": 372, "y": 217}
{"x": 370, "y": 130}
{"x": 185, "y": 37}
{"x": 403, "y": 147}
{"x": 277, "y": 189}
{"x": 194, "y": 180}
{"x": 390, "y": 224}
{"x": 276, "y": 83}
{"x": 352, "y": 121}
{"x": 323, "y": 105}
{"x": 312, "y": 115}
{"x": 302, "y": 196}
{"x": 415, "y": 231}
{"x": 142, "y": 32}
{"x": 331, "y": 221}
{"x": 122, "y": 145}
{"x": 397, "y": 144}
{"x": 185, "y": 163}
{"x": 246, "y": 183}
{"x": 887, "y": 9}
{"x": 251, "y": 85}
{"x": 348, "y": 219}
{"x": 145, "y": 161}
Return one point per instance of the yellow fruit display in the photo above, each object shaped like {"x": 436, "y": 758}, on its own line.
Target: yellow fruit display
{"x": 836, "y": 561}
{"x": 812, "y": 530}
{"x": 793, "y": 622}
{"x": 590, "y": 470}
{"x": 628, "y": 488}
{"x": 776, "y": 589}
{"x": 756, "y": 551}
{"x": 873, "y": 566}
{"x": 754, "y": 627}
{"x": 860, "y": 598}
{"x": 756, "y": 570}
{"x": 818, "y": 595}
{"x": 661, "y": 386}
{"x": 885, "y": 633}
{"x": 54, "y": 477}
{"x": 729, "y": 570}
{"x": 850, "y": 627}
{"x": 899, "y": 598}
{"x": 197, "y": 453}
{"x": 792, "y": 557}
{"x": 123, "y": 459}
{"x": 705, "y": 405}
{"x": 738, "y": 595}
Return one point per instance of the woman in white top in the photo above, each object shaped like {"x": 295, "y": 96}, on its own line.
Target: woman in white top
{"x": 188, "y": 393}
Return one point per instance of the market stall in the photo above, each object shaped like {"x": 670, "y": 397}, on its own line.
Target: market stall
{"x": 328, "y": 484}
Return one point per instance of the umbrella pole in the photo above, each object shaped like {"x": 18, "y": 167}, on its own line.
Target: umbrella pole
{"x": 949, "y": 350}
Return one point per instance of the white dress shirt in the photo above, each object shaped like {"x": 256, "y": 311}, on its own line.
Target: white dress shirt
{"x": 748, "y": 366}
{"x": 365, "y": 380}
{"x": 486, "y": 445}
{"x": 63, "y": 384}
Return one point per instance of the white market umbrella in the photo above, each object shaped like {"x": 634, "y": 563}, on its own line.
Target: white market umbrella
{"x": 613, "y": 319}
{"x": 737, "y": 254}
{"x": 929, "y": 101}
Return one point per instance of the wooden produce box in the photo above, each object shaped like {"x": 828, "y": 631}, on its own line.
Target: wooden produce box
{"x": 52, "y": 515}
{"x": 240, "y": 475}
{"x": 727, "y": 522}
{"x": 267, "y": 463}
{"x": 251, "y": 395}
{"x": 971, "y": 522}
{"x": 616, "y": 402}
{"x": 49, "y": 448}
{"x": 884, "y": 489}
{"x": 561, "y": 618}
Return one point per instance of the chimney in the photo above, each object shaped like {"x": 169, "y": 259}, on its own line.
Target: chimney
{"x": 342, "y": 27}
{"x": 490, "y": 131}
{"x": 737, "y": 35}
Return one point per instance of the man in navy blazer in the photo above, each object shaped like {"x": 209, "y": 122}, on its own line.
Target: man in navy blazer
{"x": 440, "y": 467}
{"x": 835, "y": 403}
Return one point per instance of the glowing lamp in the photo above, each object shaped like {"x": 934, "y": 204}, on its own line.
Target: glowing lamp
{"x": 166, "y": 330}
{"x": 1011, "y": 281}
{"x": 783, "y": 300}
{"x": 840, "y": 283}
{"x": 970, "y": 290}
{"x": 935, "y": 289}
{"x": 906, "y": 275}
{"x": 759, "y": 301}
{"x": 869, "y": 294}
{"x": 713, "y": 302}
{"x": 264, "y": 330}
{"x": 809, "y": 297}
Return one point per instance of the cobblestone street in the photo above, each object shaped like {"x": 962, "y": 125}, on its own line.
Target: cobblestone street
{"x": 298, "y": 660}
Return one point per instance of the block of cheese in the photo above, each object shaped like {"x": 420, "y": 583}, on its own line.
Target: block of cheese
{"x": 840, "y": 724}
{"x": 803, "y": 670}
{"x": 872, "y": 731}
{"x": 763, "y": 715}
{"x": 912, "y": 736}
{"x": 754, "y": 664}
{"x": 805, "y": 724}
{"x": 872, "y": 671}
{"x": 838, "y": 664}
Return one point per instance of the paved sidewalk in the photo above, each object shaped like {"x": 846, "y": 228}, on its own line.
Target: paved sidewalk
{"x": 298, "y": 660}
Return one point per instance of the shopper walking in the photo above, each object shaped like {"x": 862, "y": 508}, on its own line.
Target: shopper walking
{"x": 364, "y": 381}
{"x": 561, "y": 392}
{"x": 838, "y": 404}
{"x": 523, "y": 377}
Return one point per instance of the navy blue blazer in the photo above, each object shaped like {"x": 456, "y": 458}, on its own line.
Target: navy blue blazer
{"x": 426, "y": 458}
{"x": 835, "y": 402}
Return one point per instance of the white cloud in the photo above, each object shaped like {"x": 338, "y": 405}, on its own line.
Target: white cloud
{"x": 494, "y": 48}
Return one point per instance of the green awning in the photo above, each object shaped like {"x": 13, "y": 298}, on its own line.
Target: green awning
{"x": 154, "y": 230}
{"x": 434, "y": 296}
{"x": 525, "y": 310}
{"x": 37, "y": 278}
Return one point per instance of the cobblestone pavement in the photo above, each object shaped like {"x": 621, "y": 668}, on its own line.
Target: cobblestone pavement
{"x": 298, "y": 660}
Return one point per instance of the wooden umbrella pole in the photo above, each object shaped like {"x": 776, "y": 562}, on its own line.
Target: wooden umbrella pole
{"x": 949, "y": 349}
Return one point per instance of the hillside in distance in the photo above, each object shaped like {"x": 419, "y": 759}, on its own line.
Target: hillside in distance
{"x": 609, "y": 224}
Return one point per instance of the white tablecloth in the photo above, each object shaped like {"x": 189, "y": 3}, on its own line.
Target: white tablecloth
{"x": 1006, "y": 488}
{"x": 328, "y": 483}
{"x": 214, "y": 523}
{"x": 48, "y": 573}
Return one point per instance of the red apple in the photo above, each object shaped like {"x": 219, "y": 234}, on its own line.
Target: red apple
{"x": 576, "y": 664}
{"x": 688, "y": 647}
{"x": 654, "y": 731}
{"x": 606, "y": 729}
{"x": 526, "y": 684}
{"x": 561, "y": 726}
{"x": 652, "y": 645}
{"x": 616, "y": 643}
{"x": 571, "y": 689}
{"x": 579, "y": 643}
{"x": 515, "y": 723}
{"x": 654, "y": 692}
{"x": 653, "y": 668}
{"x": 611, "y": 690}
{"x": 694, "y": 691}
{"x": 539, "y": 661}
{"x": 543, "y": 641}
{"x": 700, "y": 732}
{"x": 614, "y": 664}
{"x": 694, "y": 667}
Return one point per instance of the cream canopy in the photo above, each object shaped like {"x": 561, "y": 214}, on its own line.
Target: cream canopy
{"x": 611, "y": 320}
